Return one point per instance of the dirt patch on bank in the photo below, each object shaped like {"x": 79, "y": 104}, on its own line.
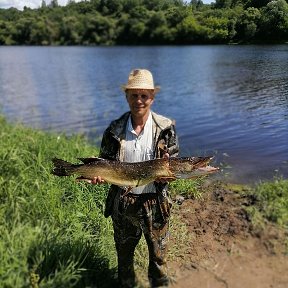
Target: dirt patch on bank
{"x": 224, "y": 249}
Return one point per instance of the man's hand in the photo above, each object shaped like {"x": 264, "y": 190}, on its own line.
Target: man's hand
{"x": 163, "y": 179}
{"x": 94, "y": 181}
{"x": 166, "y": 156}
{"x": 97, "y": 180}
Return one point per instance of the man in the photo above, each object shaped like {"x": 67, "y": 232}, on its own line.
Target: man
{"x": 134, "y": 137}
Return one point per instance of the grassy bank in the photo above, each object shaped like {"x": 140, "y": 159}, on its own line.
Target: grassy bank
{"x": 270, "y": 203}
{"x": 52, "y": 230}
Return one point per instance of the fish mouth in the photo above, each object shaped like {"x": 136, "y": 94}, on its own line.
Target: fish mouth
{"x": 203, "y": 162}
{"x": 208, "y": 169}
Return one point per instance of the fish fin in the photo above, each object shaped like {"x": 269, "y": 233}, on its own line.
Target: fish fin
{"x": 61, "y": 167}
{"x": 90, "y": 160}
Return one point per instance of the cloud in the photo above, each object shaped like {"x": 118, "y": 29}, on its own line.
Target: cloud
{"x": 19, "y": 4}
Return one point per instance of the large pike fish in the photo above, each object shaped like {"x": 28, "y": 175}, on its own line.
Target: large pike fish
{"x": 137, "y": 173}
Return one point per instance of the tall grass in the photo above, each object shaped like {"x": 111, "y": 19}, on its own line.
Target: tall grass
{"x": 52, "y": 230}
{"x": 187, "y": 188}
{"x": 270, "y": 202}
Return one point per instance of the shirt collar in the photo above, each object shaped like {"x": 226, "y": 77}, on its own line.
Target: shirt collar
{"x": 147, "y": 124}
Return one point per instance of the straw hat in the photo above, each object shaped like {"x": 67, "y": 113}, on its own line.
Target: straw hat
{"x": 140, "y": 79}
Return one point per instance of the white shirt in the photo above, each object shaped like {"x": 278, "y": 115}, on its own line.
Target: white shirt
{"x": 140, "y": 148}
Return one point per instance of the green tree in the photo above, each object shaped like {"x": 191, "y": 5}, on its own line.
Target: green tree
{"x": 69, "y": 31}
{"x": 134, "y": 26}
{"x": 41, "y": 33}
{"x": 43, "y": 4}
{"x": 155, "y": 5}
{"x": 128, "y": 5}
{"x": 248, "y": 24}
{"x": 219, "y": 4}
{"x": 196, "y": 4}
{"x": 54, "y": 3}
{"x": 108, "y": 7}
{"x": 109, "y": 22}
{"x": 5, "y": 33}
{"x": 82, "y": 7}
{"x": 159, "y": 32}
{"x": 22, "y": 32}
{"x": 274, "y": 21}
{"x": 175, "y": 15}
{"x": 216, "y": 30}
{"x": 189, "y": 31}
{"x": 99, "y": 30}
{"x": 224, "y": 4}
{"x": 256, "y": 3}
{"x": 11, "y": 14}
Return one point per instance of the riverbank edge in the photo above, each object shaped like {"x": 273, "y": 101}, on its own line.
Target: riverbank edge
{"x": 25, "y": 158}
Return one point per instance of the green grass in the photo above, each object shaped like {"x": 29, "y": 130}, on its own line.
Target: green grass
{"x": 270, "y": 203}
{"x": 52, "y": 229}
{"x": 187, "y": 188}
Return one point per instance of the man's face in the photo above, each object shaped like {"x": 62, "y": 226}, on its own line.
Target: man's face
{"x": 140, "y": 101}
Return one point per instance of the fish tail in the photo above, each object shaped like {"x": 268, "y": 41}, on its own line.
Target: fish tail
{"x": 62, "y": 168}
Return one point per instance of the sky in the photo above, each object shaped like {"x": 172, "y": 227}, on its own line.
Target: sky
{"x": 19, "y": 4}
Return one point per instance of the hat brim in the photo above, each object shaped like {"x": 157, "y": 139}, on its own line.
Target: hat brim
{"x": 125, "y": 87}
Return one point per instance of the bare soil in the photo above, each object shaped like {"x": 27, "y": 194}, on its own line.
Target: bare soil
{"x": 225, "y": 249}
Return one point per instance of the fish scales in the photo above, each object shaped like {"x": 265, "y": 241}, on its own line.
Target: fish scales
{"x": 137, "y": 173}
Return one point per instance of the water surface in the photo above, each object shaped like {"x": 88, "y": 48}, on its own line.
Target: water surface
{"x": 229, "y": 101}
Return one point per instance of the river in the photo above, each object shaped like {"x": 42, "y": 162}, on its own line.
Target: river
{"x": 228, "y": 101}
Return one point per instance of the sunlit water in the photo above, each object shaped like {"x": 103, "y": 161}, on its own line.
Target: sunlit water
{"x": 228, "y": 101}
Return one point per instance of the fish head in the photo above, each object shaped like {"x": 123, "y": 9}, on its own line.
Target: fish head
{"x": 188, "y": 164}
{"x": 190, "y": 167}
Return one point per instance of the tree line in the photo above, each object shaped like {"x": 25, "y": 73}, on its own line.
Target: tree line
{"x": 146, "y": 22}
